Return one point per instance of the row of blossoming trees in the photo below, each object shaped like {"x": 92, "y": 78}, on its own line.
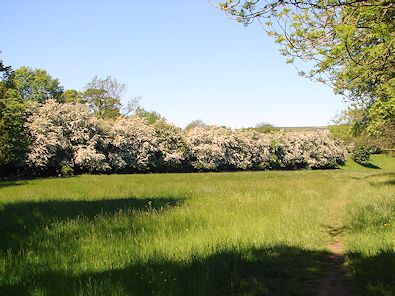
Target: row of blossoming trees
{"x": 68, "y": 135}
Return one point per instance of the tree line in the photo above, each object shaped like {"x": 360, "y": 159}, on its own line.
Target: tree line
{"x": 22, "y": 88}
{"x": 46, "y": 130}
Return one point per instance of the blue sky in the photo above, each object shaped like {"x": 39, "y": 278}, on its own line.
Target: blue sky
{"x": 185, "y": 58}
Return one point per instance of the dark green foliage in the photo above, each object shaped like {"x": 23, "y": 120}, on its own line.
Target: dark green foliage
{"x": 36, "y": 85}
{"x": 13, "y": 142}
{"x": 361, "y": 154}
{"x": 5, "y": 71}
{"x": 72, "y": 96}
{"x": 66, "y": 171}
{"x": 12, "y": 134}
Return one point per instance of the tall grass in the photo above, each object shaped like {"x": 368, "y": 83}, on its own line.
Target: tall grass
{"x": 245, "y": 233}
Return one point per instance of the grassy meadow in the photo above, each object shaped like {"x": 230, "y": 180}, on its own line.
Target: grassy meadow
{"x": 240, "y": 233}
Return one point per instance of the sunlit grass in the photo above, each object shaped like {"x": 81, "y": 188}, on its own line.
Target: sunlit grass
{"x": 246, "y": 233}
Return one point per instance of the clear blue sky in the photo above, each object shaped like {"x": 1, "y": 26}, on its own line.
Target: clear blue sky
{"x": 186, "y": 59}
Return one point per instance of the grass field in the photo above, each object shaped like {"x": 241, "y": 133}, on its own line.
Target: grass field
{"x": 243, "y": 233}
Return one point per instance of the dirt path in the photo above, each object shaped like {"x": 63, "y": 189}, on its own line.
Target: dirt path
{"x": 334, "y": 283}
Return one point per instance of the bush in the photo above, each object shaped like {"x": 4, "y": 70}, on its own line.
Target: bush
{"x": 171, "y": 145}
{"x": 130, "y": 144}
{"x": 361, "y": 154}
{"x": 66, "y": 171}
{"x": 58, "y": 133}
{"x": 67, "y": 137}
{"x": 305, "y": 149}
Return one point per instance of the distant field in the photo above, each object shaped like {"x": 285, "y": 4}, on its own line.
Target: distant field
{"x": 303, "y": 128}
{"x": 242, "y": 233}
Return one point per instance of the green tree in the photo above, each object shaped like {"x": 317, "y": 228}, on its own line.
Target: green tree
{"x": 151, "y": 116}
{"x": 196, "y": 123}
{"x": 347, "y": 44}
{"x": 72, "y": 96}
{"x": 13, "y": 142}
{"x": 265, "y": 127}
{"x": 380, "y": 123}
{"x": 104, "y": 96}
{"x": 36, "y": 85}
{"x": 5, "y": 71}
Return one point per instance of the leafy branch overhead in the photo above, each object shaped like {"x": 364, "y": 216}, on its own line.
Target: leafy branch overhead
{"x": 348, "y": 45}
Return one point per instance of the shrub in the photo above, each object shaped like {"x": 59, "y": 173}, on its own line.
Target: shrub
{"x": 66, "y": 171}
{"x": 305, "y": 149}
{"x": 172, "y": 147}
{"x": 67, "y": 137}
{"x": 265, "y": 127}
{"x": 218, "y": 148}
{"x": 209, "y": 148}
{"x": 58, "y": 134}
{"x": 361, "y": 154}
{"x": 129, "y": 144}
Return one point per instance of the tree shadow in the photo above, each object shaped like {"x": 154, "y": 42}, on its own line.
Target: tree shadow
{"x": 18, "y": 221}
{"x": 278, "y": 270}
{"x": 373, "y": 275}
{"x": 385, "y": 174}
{"x": 390, "y": 181}
{"x": 370, "y": 165}
{"x": 11, "y": 183}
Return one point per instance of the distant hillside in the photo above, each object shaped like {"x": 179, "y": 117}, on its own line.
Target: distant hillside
{"x": 268, "y": 129}
{"x": 302, "y": 128}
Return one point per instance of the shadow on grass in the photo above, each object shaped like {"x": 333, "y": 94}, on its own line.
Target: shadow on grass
{"x": 369, "y": 165}
{"x": 18, "y": 221}
{"x": 11, "y": 183}
{"x": 279, "y": 270}
{"x": 390, "y": 181}
{"x": 373, "y": 276}
{"x": 386, "y": 174}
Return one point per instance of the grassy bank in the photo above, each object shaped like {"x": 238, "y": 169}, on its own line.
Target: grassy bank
{"x": 245, "y": 233}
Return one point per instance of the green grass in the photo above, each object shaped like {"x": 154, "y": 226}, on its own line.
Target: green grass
{"x": 244, "y": 233}
{"x": 377, "y": 161}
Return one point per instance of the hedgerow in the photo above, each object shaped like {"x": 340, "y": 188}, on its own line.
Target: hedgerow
{"x": 68, "y": 135}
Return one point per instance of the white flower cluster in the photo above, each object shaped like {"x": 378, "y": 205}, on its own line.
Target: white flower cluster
{"x": 129, "y": 143}
{"x": 171, "y": 146}
{"x": 68, "y": 134}
{"x": 313, "y": 149}
{"x": 63, "y": 134}
{"x": 218, "y": 148}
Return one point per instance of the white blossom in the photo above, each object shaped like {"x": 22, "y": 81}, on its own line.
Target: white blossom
{"x": 69, "y": 134}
